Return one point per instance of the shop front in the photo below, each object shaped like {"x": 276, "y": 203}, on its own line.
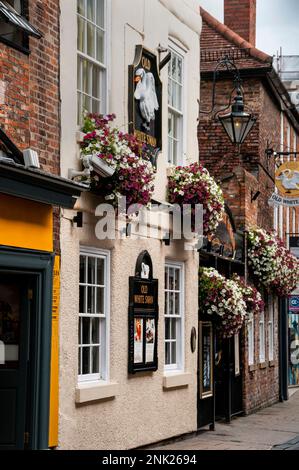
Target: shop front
{"x": 293, "y": 336}
{"x": 28, "y": 308}
{"x": 220, "y": 373}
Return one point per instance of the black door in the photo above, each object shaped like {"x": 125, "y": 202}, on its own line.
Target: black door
{"x": 14, "y": 359}
{"x": 228, "y": 377}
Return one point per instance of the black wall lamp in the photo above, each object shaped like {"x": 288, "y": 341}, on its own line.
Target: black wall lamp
{"x": 237, "y": 123}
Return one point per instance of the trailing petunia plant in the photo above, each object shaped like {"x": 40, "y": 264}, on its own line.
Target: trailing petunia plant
{"x": 134, "y": 174}
{"x": 193, "y": 185}
{"x": 222, "y": 297}
{"x": 251, "y": 296}
{"x": 273, "y": 265}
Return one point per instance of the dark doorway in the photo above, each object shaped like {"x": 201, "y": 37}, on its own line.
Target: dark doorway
{"x": 15, "y": 360}
{"x": 228, "y": 377}
{"x": 25, "y": 335}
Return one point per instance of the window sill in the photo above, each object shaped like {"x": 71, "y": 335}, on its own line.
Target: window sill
{"x": 272, "y": 364}
{"x": 173, "y": 380}
{"x": 252, "y": 368}
{"x": 263, "y": 365}
{"x": 95, "y": 391}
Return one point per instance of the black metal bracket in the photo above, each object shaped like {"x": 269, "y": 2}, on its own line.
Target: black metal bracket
{"x": 230, "y": 66}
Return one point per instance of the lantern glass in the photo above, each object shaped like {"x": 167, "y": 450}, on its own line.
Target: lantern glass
{"x": 237, "y": 126}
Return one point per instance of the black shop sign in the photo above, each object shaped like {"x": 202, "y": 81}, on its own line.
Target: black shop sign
{"x": 143, "y": 317}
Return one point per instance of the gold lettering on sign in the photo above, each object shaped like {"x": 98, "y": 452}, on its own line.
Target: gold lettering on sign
{"x": 146, "y": 63}
{"x": 146, "y": 139}
{"x": 149, "y": 299}
{"x": 144, "y": 289}
{"x": 139, "y": 299}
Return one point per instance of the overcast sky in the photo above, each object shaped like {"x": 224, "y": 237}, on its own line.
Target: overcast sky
{"x": 277, "y": 24}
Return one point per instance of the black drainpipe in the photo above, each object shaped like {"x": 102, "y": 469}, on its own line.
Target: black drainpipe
{"x": 283, "y": 350}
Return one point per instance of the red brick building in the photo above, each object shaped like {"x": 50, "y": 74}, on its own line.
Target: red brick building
{"x": 247, "y": 176}
{"x": 31, "y": 193}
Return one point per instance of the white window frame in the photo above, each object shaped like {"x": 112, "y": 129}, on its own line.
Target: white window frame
{"x": 180, "y": 329}
{"x": 181, "y": 114}
{"x": 271, "y": 335}
{"x": 262, "y": 339}
{"x": 104, "y": 66}
{"x": 103, "y": 375}
{"x": 250, "y": 336}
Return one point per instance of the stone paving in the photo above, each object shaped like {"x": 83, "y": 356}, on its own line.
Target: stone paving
{"x": 274, "y": 427}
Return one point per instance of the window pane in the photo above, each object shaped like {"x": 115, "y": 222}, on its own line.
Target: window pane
{"x": 91, "y": 10}
{"x": 82, "y": 269}
{"x": 90, "y": 40}
{"x": 173, "y": 352}
{"x": 166, "y": 303}
{"x": 173, "y": 66}
{"x": 95, "y": 326}
{"x": 180, "y": 70}
{"x": 86, "y": 103}
{"x": 82, "y": 295}
{"x": 79, "y": 74}
{"x": 80, "y": 7}
{"x": 96, "y": 106}
{"x": 171, "y": 279}
{"x": 100, "y": 271}
{"x": 167, "y": 353}
{"x": 100, "y": 45}
{"x": 86, "y": 76}
{"x": 177, "y": 279}
{"x": 81, "y": 34}
{"x": 96, "y": 80}
{"x": 100, "y": 300}
{"x": 170, "y": 328}
{"x": 80, "y": 331}
{"x": 91, "y": 270}
{"x": 91, "y": 299}
{"x": 95, "y": 360}
{"x": 100, "y": 13}
{"x": 85, "y": 330}
{"x": 79, "y": 361}
{"x": 79, "y": 108}
{"x": 171, "y": 303}
{"x": 85, "y": 361}
{"x": 170, "y": 125}
{"x": 177, "y": 303}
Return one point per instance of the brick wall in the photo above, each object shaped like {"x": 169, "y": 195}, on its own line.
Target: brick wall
{"x": 261, "y": 380}
{"x": 29, "y": 103}
{"x": 241, "y": 176}
{"x": 240, "y": 16}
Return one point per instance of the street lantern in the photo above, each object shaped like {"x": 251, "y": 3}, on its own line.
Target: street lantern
{"x": 237, "y": 124}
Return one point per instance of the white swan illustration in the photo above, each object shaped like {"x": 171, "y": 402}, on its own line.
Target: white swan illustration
{"x": 287, "y": 181}
{"x": 146, "y": 94}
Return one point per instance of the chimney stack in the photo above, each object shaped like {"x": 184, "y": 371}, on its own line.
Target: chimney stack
{"x": 240, "y": 17}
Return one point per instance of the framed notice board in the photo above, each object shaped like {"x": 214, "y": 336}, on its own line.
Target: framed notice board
{"x": 143, "y": 317}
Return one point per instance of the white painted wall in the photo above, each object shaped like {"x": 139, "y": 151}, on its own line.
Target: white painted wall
{"x": 142, "y": 412}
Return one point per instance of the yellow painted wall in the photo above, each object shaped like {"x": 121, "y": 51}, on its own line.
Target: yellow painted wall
{"x": 25, "y": 224}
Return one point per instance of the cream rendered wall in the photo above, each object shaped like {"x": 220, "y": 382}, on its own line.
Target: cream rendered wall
{"x": 142, "y": 411}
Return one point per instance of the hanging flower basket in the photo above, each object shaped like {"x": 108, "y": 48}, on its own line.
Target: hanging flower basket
{"x": 224, "y": 298}
{"x": 251, "y": 296}
{"x": 273, "y": 265}
{"x": 193, "y": 185}
{"x": 118, "y": 157}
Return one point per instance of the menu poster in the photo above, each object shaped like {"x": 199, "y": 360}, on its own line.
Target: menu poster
{"x": 138, "y": 340}
{"x": 150, "y": 339}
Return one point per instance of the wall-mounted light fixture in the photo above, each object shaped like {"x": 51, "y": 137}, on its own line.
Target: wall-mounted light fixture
{"x": 237, "y": 123}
